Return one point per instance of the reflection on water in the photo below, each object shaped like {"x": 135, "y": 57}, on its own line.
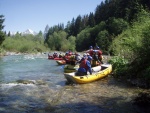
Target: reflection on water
{"x": 35, "y": 84}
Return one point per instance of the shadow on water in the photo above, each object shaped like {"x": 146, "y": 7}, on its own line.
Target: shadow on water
{"x": 39, "y": 105}
{"x": 108, "y": 105}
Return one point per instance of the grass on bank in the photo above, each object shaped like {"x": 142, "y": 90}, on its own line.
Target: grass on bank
{"x": 24, "y": 44}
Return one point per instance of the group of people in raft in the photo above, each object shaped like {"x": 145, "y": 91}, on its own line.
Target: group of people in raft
{"x": 92, "y": 57}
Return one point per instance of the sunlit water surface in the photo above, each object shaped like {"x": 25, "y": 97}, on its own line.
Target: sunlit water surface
{"x": 34, "y": 84}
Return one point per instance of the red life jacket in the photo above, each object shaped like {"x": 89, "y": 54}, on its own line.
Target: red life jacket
{"x": 67, "y": 57}
{"x": 91, "y": 52}
{"x": 83, "y": 64}
{"x": 99, "y": 53}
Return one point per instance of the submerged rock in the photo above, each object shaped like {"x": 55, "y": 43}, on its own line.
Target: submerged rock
{"x": 38, "y": 82}
{"x": 26, "y": 81}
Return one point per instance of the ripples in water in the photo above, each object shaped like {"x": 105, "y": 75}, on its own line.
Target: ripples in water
{"x": 40, "y": 87}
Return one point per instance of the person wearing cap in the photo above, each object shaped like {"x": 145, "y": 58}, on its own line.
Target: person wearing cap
{"x": 90, "y": 51}
{"x": 99, "y": 53}
{"x": 66, "y": 57}
{"x": 84, "y": 67}
{"x": 95, "y": 60}
{"x": 55, "y": 55}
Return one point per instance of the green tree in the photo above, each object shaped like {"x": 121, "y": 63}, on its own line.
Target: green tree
{"x": 91, "y": 20}
{"x": 83, "y": 39}
{"x": 84, "y": 21}
{"x": 72, "y": 41}
{"x": 72, "y": 28}
{"x": 8, "y": 33}
{"x": 99, "y": 13}
{"x": 116, "y": 26}
{"x": 67, "y": 28}
{"x": 103, "y": 41}
{"x": 78, "y": 24}
{"x": 2, "y": 35}
{"x": 56, "y": 40}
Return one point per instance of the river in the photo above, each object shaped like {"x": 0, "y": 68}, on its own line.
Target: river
{"x": 34, "y": 84}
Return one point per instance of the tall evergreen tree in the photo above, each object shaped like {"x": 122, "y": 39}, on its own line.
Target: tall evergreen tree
{"x": 2, "y": 35}
{"x": 91, "y": 20}
{"x": 84, "y": 22}
{"x": 78, "y": 24}
{"x": 61, "y": 27}
{"x": 8, "y": 33}
{"x": 46, "y": 31}
{"x": 72, "y": 28}
{"x": 99, "y": 13}
{"x": 67, "y": 28}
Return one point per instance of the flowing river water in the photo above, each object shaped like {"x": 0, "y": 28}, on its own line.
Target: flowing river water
{"x": 34, "y": 84}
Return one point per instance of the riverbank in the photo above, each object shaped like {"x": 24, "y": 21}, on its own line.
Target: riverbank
{"x": 18, "y": 53}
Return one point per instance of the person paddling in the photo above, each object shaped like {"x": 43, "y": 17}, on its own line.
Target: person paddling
{"x": 84, "y": 67}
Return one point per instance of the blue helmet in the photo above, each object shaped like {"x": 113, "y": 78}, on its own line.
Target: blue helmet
{"x": 91, "y": 47}
{"x": 97, "y": 47}
{"x": 90, "y": 58}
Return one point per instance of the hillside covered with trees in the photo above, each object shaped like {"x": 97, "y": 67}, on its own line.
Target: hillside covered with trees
{"x": 101, "y": 27}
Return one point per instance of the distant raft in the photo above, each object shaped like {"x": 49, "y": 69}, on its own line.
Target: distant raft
{"x": 98, "y": 73}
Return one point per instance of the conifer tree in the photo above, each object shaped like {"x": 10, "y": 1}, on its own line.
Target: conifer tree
{"x": 91, "y": 20}
{"x": 2, "y": 35}
{"x": 72, "y": 28}
{"x": 78, "y": 24}
{"x": 8, "y": 33}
